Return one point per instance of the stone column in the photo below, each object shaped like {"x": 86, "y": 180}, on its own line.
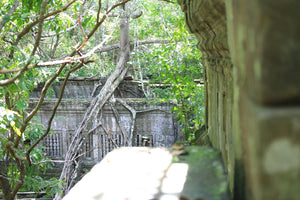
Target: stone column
{"x": 207, "y": 20}
{"x": 264, "y": 40}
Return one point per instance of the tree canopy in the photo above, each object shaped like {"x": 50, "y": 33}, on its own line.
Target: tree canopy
{"x": 44, "y": 41}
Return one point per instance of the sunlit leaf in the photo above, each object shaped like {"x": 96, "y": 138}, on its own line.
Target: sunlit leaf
{"x": 13, "y": 125}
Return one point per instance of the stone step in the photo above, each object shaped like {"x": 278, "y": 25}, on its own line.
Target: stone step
{"x": 143, "y": 173}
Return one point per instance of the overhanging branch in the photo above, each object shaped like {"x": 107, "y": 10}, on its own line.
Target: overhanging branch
{"x": 97, "y": 49}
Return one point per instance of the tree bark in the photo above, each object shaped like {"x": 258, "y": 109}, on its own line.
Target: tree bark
{"x": 69, "y": 172}
{"x": 124, "y": 36}
{"x": 4, "y": 182}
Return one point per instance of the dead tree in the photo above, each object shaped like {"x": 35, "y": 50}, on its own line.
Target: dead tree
{"x": 69, "y": 172}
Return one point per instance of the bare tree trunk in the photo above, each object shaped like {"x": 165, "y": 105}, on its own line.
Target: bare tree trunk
{"x": 4, "y": 182}
{"x": 124, "y": 34}
{"x": 69, "y": 172}
{"x": 124, "y": 37}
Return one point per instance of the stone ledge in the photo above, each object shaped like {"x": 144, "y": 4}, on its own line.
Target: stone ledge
{"x": 154, "y": 173}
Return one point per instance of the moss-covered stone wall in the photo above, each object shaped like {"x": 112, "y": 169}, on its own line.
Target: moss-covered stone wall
{"x": 251, "y": 54}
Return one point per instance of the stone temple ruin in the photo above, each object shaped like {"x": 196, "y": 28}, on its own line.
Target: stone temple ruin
{"x": 252, "y": 83}
{"x": 251, "y": 62}
{"x": 154, "y": 122}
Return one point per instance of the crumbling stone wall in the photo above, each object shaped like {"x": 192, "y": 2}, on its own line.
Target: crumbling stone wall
{"x": 154, "y": 121}
{"x": 207, "y": 20}
{"x": 251, "y": 55}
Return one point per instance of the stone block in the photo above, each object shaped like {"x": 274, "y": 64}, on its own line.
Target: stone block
{"x": 157, "y": 121}
{"x": 271, "y": 144}
{"x": 154, "y": 173}
{"x": 219, "y": 74}
{"x": 264, "y": 38}
{"x": 207, "y": 20}
{"x": 81, "y": 88}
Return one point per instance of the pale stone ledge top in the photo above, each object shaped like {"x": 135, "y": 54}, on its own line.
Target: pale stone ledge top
{"x": 142, "y": 173}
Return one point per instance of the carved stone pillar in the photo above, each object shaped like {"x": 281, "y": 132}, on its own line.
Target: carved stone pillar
{"x": 207, "y": 20}
{"x": 253, "y": 110}
{"x": 264, "y": 40}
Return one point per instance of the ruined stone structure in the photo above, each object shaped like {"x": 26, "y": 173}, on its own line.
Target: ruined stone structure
{"x": 252, "y": 70}
{"x": 155, "y": 122}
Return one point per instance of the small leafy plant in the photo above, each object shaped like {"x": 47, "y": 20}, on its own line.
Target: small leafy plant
{"x": 179, "y": 80}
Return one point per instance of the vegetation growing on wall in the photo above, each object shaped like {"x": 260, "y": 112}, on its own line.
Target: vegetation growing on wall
{"x": 46, "y": 40}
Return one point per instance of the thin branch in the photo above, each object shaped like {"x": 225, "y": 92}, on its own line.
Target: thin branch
{"x": 85, "y": 38}
{"x": 61, "y": 32}
{"x": 99, "y": 9}
{"x": 10, "y": 12}
{"x": 31, "y": 25}
{"x": 53, "y": 113}
{"x": 10, "y": 179}
{"x": 21, "y": 179}
{"x": 55, "y": 46}
{"x": 96, "y": 120}
{"x": 13, "y": 151}
{"x": 12, "y": 79}
{"x": 96, "y": 86}
{"x": 40, "y": 28}
{"x": 97, "y": 49}
{"x": 79, "y": 19}
{"x": 116, "y": 46}
{"x": 43, "y": 52}
{"x": 37, "y": 42}
{"x": 93, "y": 129}
{"x": 133, "y": 112}
{"x": 77, "y": 59}
{"x": 68, "y": 60}
{"x": 105, "y": 16}
{"x": 141, "y": 42}
{"x": 41, "y": 100}
{"x": 108, "y": 135}
{"x": 118, "y": 118}
{"x": 45, "y": 64}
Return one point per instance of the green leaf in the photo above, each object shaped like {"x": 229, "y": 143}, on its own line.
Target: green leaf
{"x": 52, "y": 26}
{"x": 57, "y": 30}
{"x": 77, "y": 6}
{"x": 6, "y": 18}
{"x": 21, "y": 105}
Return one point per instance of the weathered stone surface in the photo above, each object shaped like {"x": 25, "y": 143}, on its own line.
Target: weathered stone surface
{"x": 252, "y": 104}
{"x": 154, "y": 120}
{"x": 271, "y": 150}
{"x": 84, "y": 88}
{"x": 264, "y": 43}
{"x": 220, "y": 111}
{"x": 207, "y": 20}
{"x": 148, "y": 173}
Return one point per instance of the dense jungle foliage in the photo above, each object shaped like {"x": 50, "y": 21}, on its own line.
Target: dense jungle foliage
{"x": 43, "y": 41}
